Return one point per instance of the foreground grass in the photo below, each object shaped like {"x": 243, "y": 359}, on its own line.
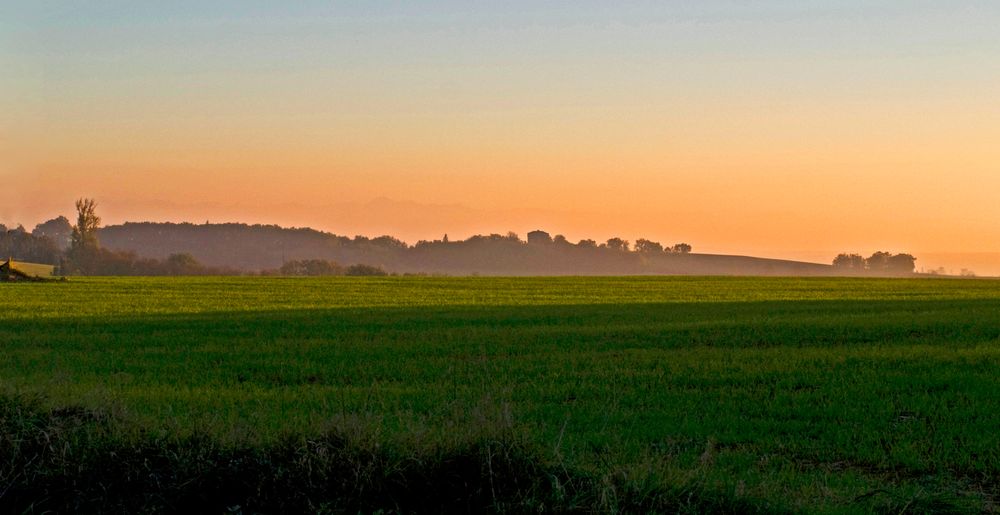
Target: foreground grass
{"x": 637, "y": 394}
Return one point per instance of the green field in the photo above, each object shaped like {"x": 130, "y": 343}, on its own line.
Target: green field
{"x": 634, "y": 394}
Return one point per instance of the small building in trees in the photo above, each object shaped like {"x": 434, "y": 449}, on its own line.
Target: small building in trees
{"x": 539, "y": 237}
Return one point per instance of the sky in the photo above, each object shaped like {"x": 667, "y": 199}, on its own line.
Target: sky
{"x": 777, "y": 128}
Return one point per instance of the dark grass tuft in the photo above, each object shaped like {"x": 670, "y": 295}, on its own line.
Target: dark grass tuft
{"x": 72, "y": 460}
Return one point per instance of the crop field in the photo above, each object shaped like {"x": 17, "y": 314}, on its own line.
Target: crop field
{"x": 636, "y": 394}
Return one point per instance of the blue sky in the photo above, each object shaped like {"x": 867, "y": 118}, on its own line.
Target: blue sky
{"x": 787, "y": 114}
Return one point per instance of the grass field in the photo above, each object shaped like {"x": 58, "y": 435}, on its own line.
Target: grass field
{"x": 541, "y": 394}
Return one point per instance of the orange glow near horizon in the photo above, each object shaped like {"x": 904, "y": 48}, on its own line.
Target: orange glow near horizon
{"x": 737, "y": 144}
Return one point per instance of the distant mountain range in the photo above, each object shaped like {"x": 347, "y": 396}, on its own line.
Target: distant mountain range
{"x": 262, "y": 247}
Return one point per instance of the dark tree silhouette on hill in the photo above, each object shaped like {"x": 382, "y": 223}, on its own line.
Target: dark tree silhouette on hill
{"x": 84, "y": 248}
{"x": 26, "y": 247}
{"x": 84, "y": 236}
{"x": 387, "y": 241}
{"x": 58, "y": 229}
{"x": 617, "y": 244}
{"x": 681, "y": 248}
{"x": 878, "y": 261}
{"x": 854, "y": 262}
{"x": 645, "y": 246}
{"x": 902, "y": 263}
{"x": 182, "y": 264}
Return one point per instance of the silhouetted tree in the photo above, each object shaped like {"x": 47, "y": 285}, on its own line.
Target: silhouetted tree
{"x": 878, "y": 261}
{"x": 83, "y": 255}
{"x": 559, "y": 239}
{"x": 26, "y": 247}
{"x": 882, "y": 262}
{"x": 182, "y": 264}
{"x": 58, "y": 229}
{"x": 617, "y": 244}
{"x": 587, "y": 244}
{"x": 854, "y": 262}
{"x": 293, "y": 267}
{"x": 681, "y": 248}
{"x": 84, "y": 236}
{"x": 388, "y": 242}
{"x": 646, "y": 246}
{"x": 538, "y": 237}
{"x": 902, "y": 263}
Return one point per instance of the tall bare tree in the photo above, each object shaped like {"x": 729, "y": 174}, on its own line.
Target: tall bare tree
{"x": 87, "y": 222}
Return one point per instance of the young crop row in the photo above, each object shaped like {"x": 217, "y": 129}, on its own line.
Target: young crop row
{"x": 801, "y": 394}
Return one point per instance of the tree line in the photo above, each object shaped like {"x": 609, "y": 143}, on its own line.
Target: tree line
{"x": 87, "y": 248}
{"x": 76, "y": 249}
{"x": 268, "y": 248}
{"x": 148, "y": 248}
{"x": 28, "y": 246}
{"x": 880, "y": 262}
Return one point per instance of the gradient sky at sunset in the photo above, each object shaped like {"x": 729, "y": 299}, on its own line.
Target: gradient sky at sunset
{"x": 777, "y": 128}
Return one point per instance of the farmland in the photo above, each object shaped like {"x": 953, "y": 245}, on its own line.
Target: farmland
{"x": 835, "y": 395}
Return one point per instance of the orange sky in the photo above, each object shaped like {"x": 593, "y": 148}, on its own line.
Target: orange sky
{"x": 780, "y": 131}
